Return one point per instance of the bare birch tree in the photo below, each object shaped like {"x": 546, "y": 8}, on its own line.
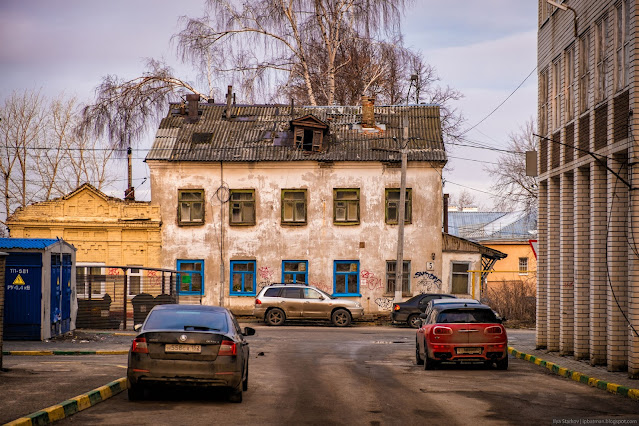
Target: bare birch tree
{"x": 515, "y": 189}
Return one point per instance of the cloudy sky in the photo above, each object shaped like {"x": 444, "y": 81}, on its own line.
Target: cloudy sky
{"x": 483, "y": 48}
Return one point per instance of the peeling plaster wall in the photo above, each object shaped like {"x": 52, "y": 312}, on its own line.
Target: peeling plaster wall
{"x": 319, "y": 241}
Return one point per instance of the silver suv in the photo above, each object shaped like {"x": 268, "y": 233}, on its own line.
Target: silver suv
{"x": 277, "y": 303}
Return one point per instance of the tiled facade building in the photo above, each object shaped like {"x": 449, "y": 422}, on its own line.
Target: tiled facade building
{"x": 588, "y": 265}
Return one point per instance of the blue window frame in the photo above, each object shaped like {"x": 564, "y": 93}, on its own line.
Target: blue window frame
{"x": 191, "y": 276}
{"x": 242, "y": 278}
{"x": 295, "y": 271}
{"x": 346, "y": 278}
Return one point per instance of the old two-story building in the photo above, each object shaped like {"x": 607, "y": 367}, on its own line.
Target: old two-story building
{"x": 258, "y": 194}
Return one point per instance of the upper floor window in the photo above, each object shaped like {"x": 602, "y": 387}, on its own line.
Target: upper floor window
{"x": 391, "y": 276}
{"x": 308, "y": 133}
{"x": 569, "y": 78}
{"x": 191, "y": 206}
{"x": 191, "y": 276}
{"x": 584, "y": 71}
{"x": 346, "y": 278}
{"x": 242, "y": 206}
{"x": 346, "y": 206}
{"x": 543, "y": 101}
{"x": 556, "y": 93}
{"x": 523, "y": 266}
{"x": 293, "y": 206}
{"x": 295, "y": 271}
{"x": 601, "y": 58}
{"x": 622, "y": 45}
{"x": 242, "y": 278}
{"x": 392, "y": 205}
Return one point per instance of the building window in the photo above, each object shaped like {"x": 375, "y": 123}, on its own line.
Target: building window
{"x": 601, "y": 58}
{"x": 391, "y": 272}
{"x": 543, "y": 102}
{"x": 191, "y": 276}
{"x": 190, "y": 206}
{"x": 346, "y": 278}
{"x": 545, "y": 11}
{"x": 90, "y": 280}
{"x": 584, "y": 71}
{"x": 295, "y": 271}
{"x": 308, "y": 139}
{"x": 392, "y": 205}
{"x": 460, "y": 277}
{"x": 293, "y": 206}
{"x": 622, "y": 51}
{"x": 346, "y": 206}
{"x": 569, "y": 78}
{"x": 556, "y": 93}
{"x": 242, "y": 278}
{"x": 134, "y": 281}
{"x": 523, "y": 266}
{"x": 242, "y": 207}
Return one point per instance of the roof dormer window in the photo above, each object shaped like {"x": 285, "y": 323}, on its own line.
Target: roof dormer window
{"x": 308, "y": 133}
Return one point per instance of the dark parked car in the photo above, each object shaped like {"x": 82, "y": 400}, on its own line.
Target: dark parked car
{"x": 408, "y": 311}
{"x": 191, "y": 345}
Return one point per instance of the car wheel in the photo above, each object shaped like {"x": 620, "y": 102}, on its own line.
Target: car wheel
{"x": 414, "y": 321}
{"x": 245, "y": 381}
{"x": 135, "y": 392}
{"x": 236, "y": 395}
{"x": 341, "y": 318}
{"x": 418, "y": 358}
{"x": 275, "y": 316}
{"x": 429, "y": 363}
{"x": 502, "y": 364}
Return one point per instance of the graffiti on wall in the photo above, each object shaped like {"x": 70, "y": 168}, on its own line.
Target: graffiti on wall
{"x": 370, "y": 281}
{"x": 266, "y": 276}
{"x": 384, "y": 303}
{"x": 320, "y": 285}
{"x": 428, "y": 282}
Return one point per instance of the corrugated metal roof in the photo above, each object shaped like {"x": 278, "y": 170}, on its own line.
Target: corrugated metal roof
{"x": 26, "y": 243}
{"x": 251, "y": 132}
{"x": 483, "y": 226}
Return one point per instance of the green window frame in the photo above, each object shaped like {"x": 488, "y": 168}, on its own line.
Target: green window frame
{"x": 242, "y": 207}
{"x": 392, "y": 206}
{"x": 190, "y": 207}
{"x": 294, "y": 206}
{"x": 346, "y": 206}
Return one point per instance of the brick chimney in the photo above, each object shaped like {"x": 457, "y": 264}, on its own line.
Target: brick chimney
{"x": 368, "y": 111}
{"x": 192, "y": 105}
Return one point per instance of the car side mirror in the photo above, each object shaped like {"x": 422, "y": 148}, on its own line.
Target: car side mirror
{"x": 248, "y": 331}
{"x": 137, "y": 327}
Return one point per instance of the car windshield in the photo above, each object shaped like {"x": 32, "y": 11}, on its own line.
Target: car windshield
{"x": 186, "y": 320}
{"x": 464, "y": 315}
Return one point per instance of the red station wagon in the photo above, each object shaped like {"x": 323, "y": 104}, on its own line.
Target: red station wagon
{"x": 461, "y": 332}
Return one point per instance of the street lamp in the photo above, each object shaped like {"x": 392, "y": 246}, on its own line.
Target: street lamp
{"x": 565, "y": 7}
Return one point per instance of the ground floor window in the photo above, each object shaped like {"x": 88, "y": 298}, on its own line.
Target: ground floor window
{"x": 134, "y": 284}
{"x": 295, "y": 271}
{"x": 243, "y": 278}
{"x": 391, "y": 271}
{"x": 460, "y": 277}
{"x": 191, "y": 277}
{"x": 90, "y": 280}
{"x": 346, "y": 278}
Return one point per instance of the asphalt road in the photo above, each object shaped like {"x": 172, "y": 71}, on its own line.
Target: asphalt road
{"x": 366, "y": 376}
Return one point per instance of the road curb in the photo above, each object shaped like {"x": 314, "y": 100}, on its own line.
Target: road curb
{"x": 50, "y": 353}
{"x": 73, "y": 405}
{"x": 577, "y": 376}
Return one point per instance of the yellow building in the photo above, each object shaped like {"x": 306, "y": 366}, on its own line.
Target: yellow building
{"x": 520, "y": 265}
{"x": 107, "y": 232}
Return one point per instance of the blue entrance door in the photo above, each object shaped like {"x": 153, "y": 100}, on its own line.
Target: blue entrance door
{"x": 23, "y": 294}
{"x": 60, "y": 293}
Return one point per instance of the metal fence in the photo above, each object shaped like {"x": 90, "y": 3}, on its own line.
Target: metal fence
{"x": 118, "y": 297}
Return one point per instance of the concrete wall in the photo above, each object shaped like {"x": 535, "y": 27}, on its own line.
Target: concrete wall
{"x": 321, "y": 242}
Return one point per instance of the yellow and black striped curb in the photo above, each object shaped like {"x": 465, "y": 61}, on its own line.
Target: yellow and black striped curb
{"x": 48, "y": 353}
{"x": 576, "y": 376}
{"x": 73, "y": 405}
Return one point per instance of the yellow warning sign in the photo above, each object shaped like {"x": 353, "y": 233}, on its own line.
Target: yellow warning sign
{"x": 18, "y": 280}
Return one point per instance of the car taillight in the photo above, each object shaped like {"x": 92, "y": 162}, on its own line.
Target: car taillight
{"x": 493, "y": 330}
{"x": 227, "y": 348}
{"x": 139, "y": 345}
{"x": 442, "y": 330}
{"x": 396, "y": 307}
{"x": 258, "y": 302}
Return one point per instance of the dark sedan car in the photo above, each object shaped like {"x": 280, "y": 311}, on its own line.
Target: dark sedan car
{"x": 408, "y": 311}
{"x": 191, "y": 345}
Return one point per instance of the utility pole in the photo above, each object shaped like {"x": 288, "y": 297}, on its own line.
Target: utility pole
{"x": 399, "y": 267}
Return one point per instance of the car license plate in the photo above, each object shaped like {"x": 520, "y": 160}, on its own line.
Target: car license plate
{"x": 188, "y": 349}
{"x": 468, "y": 351}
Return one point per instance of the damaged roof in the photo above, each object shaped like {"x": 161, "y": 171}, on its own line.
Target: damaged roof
{"x": 263, "y": 133}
